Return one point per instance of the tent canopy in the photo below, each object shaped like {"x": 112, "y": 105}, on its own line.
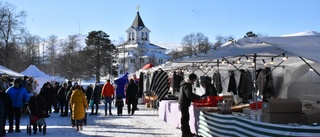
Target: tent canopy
{"x": 292, "y": 46}
{"x": 6, "y": 71}
{"x": 38, "y": 75}
{"x": 33, "y": 71}
{"x": 121, "y": 82}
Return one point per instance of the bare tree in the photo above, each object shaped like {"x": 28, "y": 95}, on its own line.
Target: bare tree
{"x": 52, "y": 45}
{"x": 30, "y": 50}
{"x": 195, "y": 43}
{"x": 175, "y": 54}
{"x": 11, "y": 23}
{"x": 69, "y": 63}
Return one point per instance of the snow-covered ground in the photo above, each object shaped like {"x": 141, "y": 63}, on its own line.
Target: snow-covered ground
{"x": 144, "y": 123}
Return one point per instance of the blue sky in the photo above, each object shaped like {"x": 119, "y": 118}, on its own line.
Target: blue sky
{"x": 170, "y": 20}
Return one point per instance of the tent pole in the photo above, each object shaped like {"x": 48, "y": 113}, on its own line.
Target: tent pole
{"x": 254, "y": 94}
{"x": 309, "y": 65}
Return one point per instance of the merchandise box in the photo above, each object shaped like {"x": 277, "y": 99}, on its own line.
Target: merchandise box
{"x": 281, "y": 118}
{"x": 282, "y": 106}
{"x": 311, "y": 116}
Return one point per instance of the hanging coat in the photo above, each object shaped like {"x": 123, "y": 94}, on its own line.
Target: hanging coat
{"x": 159, "y": 84}
{"x": 217, "y": 82}
{"x": 141, "y": 79}
{"x": 232, "y": 87}
{"x": 268, "y": 90}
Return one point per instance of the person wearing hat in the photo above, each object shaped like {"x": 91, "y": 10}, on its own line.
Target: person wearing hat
{"x": 19, "y": 96}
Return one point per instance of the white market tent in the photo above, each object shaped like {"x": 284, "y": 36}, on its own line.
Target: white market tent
{"x": 38, "y": 75}
{"x": 302, "y": 51}
{"x": 6, "y": 71}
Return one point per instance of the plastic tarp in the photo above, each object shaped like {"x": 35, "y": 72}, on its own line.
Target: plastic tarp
{"x": 121, "y": 82}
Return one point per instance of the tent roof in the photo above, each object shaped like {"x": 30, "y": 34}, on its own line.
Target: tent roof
{"x": 6, "y": 71}
{"x": 33, "y": 71}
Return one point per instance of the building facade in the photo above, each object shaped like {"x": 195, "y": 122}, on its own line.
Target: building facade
{"x": 138, "y": 51}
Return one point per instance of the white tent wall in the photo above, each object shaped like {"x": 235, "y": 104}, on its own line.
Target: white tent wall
{"x": 306, "y": 88}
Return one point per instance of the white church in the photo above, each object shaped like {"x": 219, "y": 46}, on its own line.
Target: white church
{"x": 138, "y": 51}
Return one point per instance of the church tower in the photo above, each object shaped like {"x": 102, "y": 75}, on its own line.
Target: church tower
{"x": 138, "y": 32}
{"x": 138, "y": 51}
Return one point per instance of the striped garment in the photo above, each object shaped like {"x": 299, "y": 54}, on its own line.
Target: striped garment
{"x": 159, "y": 84}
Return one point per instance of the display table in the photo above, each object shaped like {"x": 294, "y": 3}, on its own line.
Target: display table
{"x": 169, "y": 112}
{"x": 213, "y": 124}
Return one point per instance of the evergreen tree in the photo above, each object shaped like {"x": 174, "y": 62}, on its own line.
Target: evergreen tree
{"x": 99, "y": 53}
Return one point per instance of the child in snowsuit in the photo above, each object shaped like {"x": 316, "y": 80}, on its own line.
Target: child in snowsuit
{"x": 119, "y": 104}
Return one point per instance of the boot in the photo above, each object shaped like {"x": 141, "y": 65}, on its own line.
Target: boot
{"x": 77, "y": 127}
{"x": 81, "y": 126}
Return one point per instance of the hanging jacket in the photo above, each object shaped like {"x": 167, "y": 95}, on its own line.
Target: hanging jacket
{"x": 232, "y": 87}
{"x": 217, "y": 82}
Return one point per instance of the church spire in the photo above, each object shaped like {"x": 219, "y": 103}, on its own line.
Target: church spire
{"x": 138, "y": 23}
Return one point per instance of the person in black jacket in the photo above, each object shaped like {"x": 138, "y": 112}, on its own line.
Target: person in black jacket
{"x": 131, "y": 95}
{"x": 185, "y": 97}
{"x": 46, "y": 93}
{"x": 62, "y": 99}
{"x": 7, "y": 105}
{"x": 96, "y": 95}
{"x": 68, "y": 89}
{"x": 89, "y": 91}
{"x": 37, "y": 106}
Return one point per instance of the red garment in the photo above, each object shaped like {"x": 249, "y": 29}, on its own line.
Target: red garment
{"x": 107, "y": 90}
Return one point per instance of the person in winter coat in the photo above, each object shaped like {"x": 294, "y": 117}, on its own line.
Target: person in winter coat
{"x": 56, "y": 88}
{"x": 37, "y": 106}
{"x": 68, "y": 97}
{"x": 89, "y": 91}
{"x": 68, "y": 90}
{"x": 46, "y": 93}
{"x": 131, "y": 95}
{"x": 7, "y": 106}
{"x": 78, "y": 103}
{"x": 62, "y": 99}
{"x": 185, "y": 97}
{"x": 19, "y": 96}
{"x": 108, "y": 94}
{"x": 96, "y": 94}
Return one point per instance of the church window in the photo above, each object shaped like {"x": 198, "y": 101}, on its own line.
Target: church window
{"x": 160, "y": 61}
{"x": 142, "y": 35}
{"x": 132, "y": 61}
{"x": 146, "y": 37}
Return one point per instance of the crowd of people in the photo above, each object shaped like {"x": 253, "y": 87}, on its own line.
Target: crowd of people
{"x": 19, "y": 97}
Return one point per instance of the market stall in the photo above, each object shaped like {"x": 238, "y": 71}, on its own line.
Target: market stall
{"x": 290, "y": 59}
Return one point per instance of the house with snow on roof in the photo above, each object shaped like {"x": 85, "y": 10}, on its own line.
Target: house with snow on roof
{"x": 138, "y": 51}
